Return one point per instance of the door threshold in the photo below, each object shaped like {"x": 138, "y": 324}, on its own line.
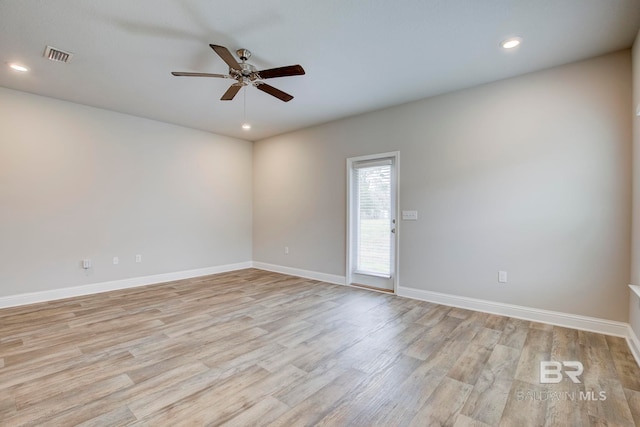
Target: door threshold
{"x": 367, "y": 273}
{"x": 371, "y": 288}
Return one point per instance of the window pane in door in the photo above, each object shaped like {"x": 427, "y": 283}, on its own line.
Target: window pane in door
{"x": 374, "y": 226}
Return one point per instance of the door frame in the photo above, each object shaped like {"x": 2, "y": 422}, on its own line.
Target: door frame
{"x": 395, "y": 155}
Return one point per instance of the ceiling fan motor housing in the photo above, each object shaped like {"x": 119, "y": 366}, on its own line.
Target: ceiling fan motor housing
{"x": 248, "y": 69}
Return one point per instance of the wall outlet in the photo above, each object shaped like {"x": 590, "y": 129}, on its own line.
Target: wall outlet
{"x": 116, "y": 260}
{"x": 138, "y": 258}
{"x": 502, "y": 276}
{"x": 86, "y": 263}
{"x": 286, "y": 250}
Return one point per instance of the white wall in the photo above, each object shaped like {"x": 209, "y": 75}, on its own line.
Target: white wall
{"x": 634, "y": 301}
{"x": 79, "y": 182}
{"x": 530, "y": 175}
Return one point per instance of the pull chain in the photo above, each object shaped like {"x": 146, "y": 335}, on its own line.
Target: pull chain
{"x": 245, "y": 125}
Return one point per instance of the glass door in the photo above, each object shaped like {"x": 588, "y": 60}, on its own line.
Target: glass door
{"x": 372, "y": 221}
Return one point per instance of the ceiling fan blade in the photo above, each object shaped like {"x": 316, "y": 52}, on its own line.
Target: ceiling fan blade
{"x": 226, "y": 56}
{"x": 178, "y": 73}
{"x": 290, "y": 70}
{"x": 283, "y": 96}
{"x": 231, "y": 92}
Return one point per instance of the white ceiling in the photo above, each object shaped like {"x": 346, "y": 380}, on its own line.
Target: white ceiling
{"x": 359, "y": 55}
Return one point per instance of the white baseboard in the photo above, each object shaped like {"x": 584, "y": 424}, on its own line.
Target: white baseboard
{"x": 632, "y": 338}
{"x": 95, "y": 288}
{"x": 634, "y": 344}
{"x": 574, "y": 321}
{"x": 307, "y": 274}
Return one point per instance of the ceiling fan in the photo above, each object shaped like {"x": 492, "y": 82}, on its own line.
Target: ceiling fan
{"x": 246, "y": 74}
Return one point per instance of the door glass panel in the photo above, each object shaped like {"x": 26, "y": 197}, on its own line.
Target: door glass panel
{"x": 373, "y": 219}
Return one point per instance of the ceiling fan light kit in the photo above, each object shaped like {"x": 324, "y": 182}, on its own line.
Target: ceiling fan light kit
{"x": 245, "y": 74}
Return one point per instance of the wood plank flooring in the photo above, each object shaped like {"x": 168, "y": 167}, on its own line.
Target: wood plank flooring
{"x": 253, "y": 348}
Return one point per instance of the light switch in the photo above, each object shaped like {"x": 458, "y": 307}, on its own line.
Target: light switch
{"x": 409, "y": 215}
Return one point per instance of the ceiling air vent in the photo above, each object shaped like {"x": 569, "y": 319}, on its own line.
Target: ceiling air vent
{"x": 55, "y": 54}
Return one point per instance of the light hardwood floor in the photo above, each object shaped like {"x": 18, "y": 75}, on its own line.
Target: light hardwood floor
{"x": 255, "y": 348}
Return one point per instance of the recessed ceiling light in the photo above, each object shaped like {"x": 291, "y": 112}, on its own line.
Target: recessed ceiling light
{"x": 18, "y": 67}
{"x": 511, "y": 43}
{"x": 246, "y": 126}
